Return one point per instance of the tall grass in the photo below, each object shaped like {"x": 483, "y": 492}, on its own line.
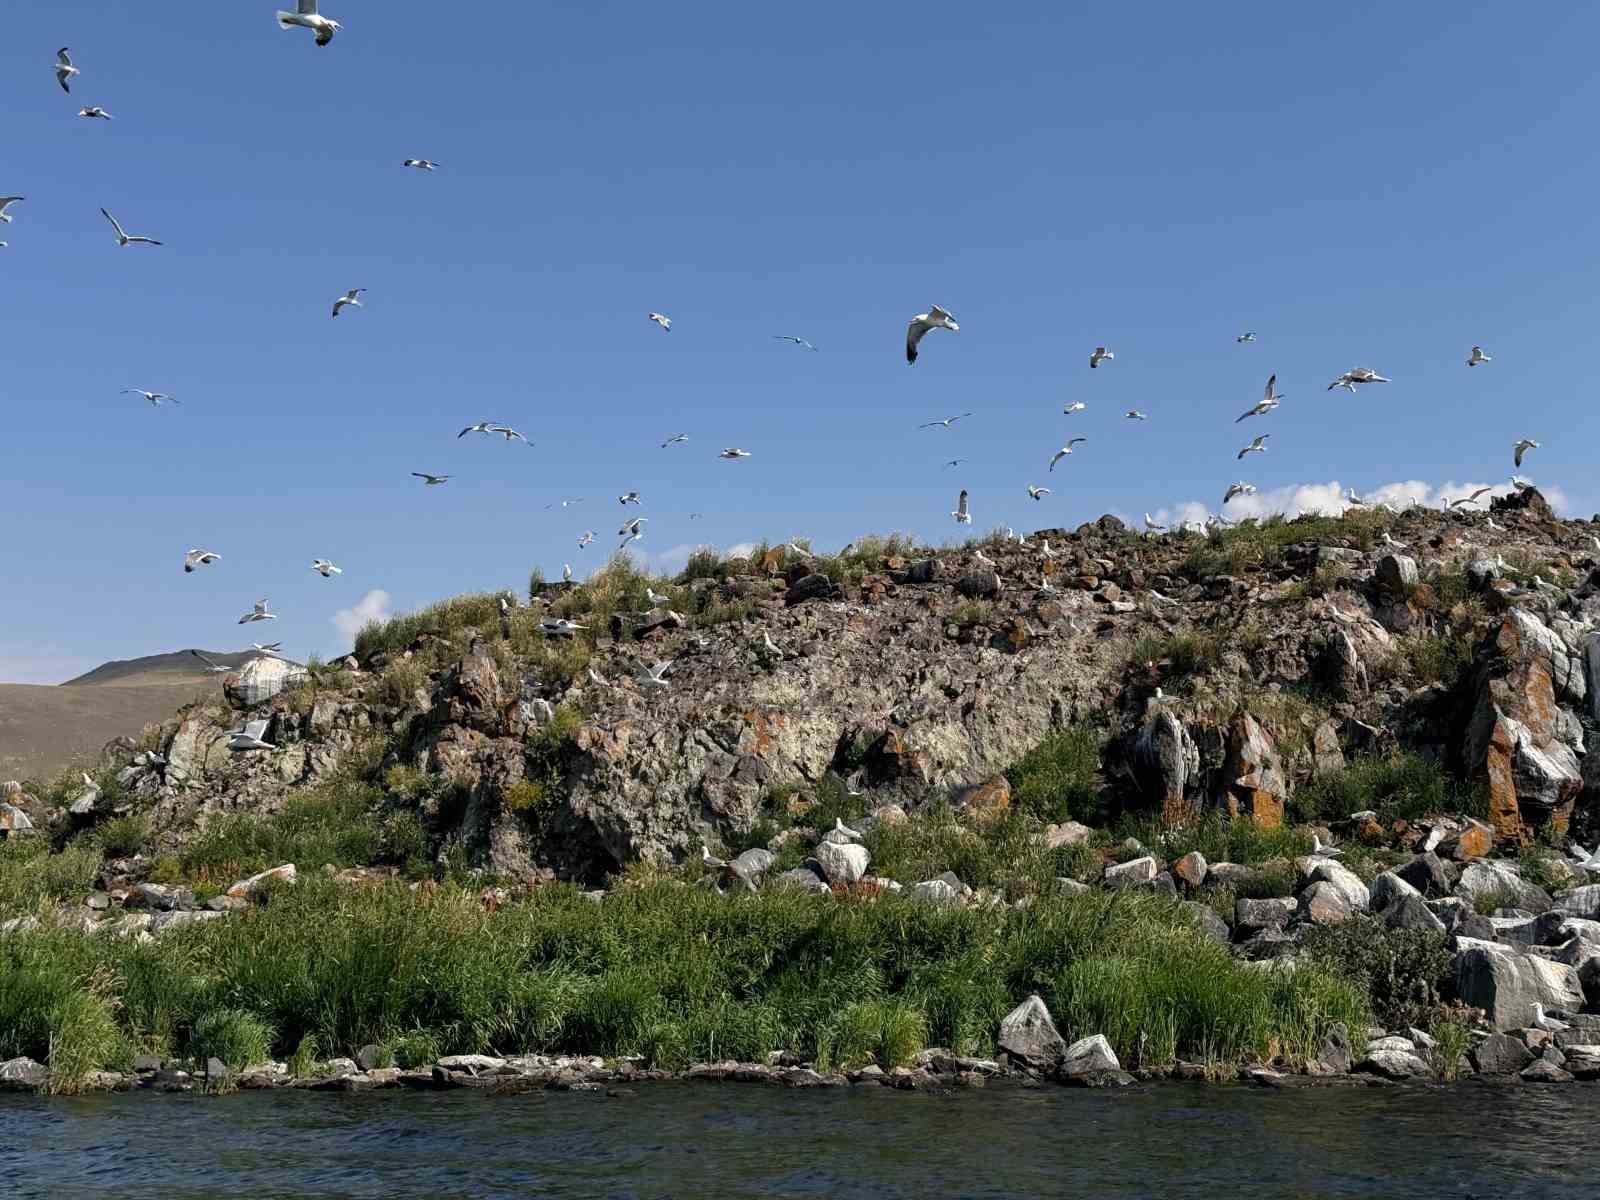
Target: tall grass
{"x": 30, "y": 874}
{"x": 1400, "y": 786}
{"x": 1059, "y": 779}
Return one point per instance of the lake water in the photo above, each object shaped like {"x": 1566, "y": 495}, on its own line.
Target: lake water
{"x": 724, "y": 1141}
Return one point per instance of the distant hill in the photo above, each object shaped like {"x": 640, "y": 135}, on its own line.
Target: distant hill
{"x": 44, "y": 728}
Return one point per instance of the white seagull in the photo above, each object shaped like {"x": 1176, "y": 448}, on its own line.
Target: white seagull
{"x": 946, "y": 423}
{"x": 1477, "y": 357}
{"x": 480, "y": 427}
{"x": 1542, "y": 1020}
{"x": 798, "y": 341}
{"x": 1522, "y": 447}
{"x": 1351, "y": 379}
{"x": 674, "y": 440}
{"x": 1064, "y": 451}
{"x": 1257, "y": 446}
{"x": 934, "y": 318}
{"x": 325, "y": 568}
{"x": 421, "y": 164}
{"x": 1238, "y": 488}
{"x": 198, "y": 558}
{"x": 1392, "y": 542}
{"x": 1318, "y": 850}
{"x": 1100, "y": 355}
{"x": 1245, "y": 337}
{"x": 632, "y": 526}
{"x": 841, "y": 828}
{"x": 1586, "y": 861}
{"x": 628, "y": 498}
{"x": 1035, "y": 492}
{"x": 269, "y": 648}
{"x": 124, "y": 238}
{"x": 734, "y": 452}
{"x": 5, "y": 203}
{"x": 553, "y": 627}
{"x": 307, "y": 17}
{"x": 93, "y": 111}
{"x": 155, "y": 398}
{"x": 1269, "y": 400}
{"x": 1074, "y": 407}
{"x": 1152, "y": 526}
{"x": 1133, "y": 414}
{"x": 1472, "y": 499}
{"x": 64, "y": 69}
{"x": 655, "y": 598}
{"x": 212, "y": 665}
{"x": 662, "y": 320}
{"x": 430, "y": 480}
{"x": 258, "y": 613}
{"x": 961, "y": 513}
{"x": 588, "y": 536}
{"x": 510, "y": 434}
{"x": 566, "y": 572}
{"x": 654, "y": 677}
{"x": 348, "y": 300}
{"x": 248, "y": 737}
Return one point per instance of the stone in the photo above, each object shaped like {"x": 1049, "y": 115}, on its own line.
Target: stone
{"x": 1190, "y": 870}
{"x": 1069, "y": 833}
{"x": 226, "y": 904}
{"x": 1165, "y": 758}
{"x": 936, "y": 891}
{"x": 1391, "y": 1042}
{"x": 1209, "y": 922}
{"x": 1489, "y": 878}
{"x": 216, "y": 1070}
{"x": 1071, "y": 887}
{"x": 1394, "y": 1064}
{"x": 1088, "y": 1056}
{"x": 1387, "y": 887}
{"x": 809, "y": 587}
{"x": 1580, "y": 902}
{"x": 1410, "y": 911}
{"x": 1499, "y": 1054}
{"x": 1252, "y": 915}
{"x": 1327, "y": 756}
{"x": 803, "y": 880}
{"x": 260, "y": 679}
{"x": 842, "y": 863}
{"x": 1544, "y": 1071}
{"x": 1334, "y": 1057}
{"x": 1582, "y": 1060}
{"x": 163, "y": 898}
{"x": 1506, "y": 983}
{"x": 1342, "y": 879}
{"x": 249, "y": 889}
{"x": 1136, "y": 871}
{"x": 1475, "y": 841}
{"x": 1255, "y": 786}
{"x": 1346, "y": 677}
{"x": 1428, "y": 874}
{"x": 1028, "y": 1035}
{"x": 370, "y": 1057}
{"x": 1324, "y": 904}
{"x": 23, "y": 1075}
{"x": 992, "y": 795}
{"x": 979, "y": 585}
{"x": 752, "y": 864}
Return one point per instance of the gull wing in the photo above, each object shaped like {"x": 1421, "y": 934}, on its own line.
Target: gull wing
{"x": 961, "y": 503}
{"x": 257, "y": 730}
{"x": 914, "y": 333}
{"x": 1271, "y": 383}
{"x": 938, "y": 314}
{"x": 307, "y": 8}
{"x": 115, "y": 224}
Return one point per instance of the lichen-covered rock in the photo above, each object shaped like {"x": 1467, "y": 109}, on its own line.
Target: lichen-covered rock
{"x": 1165, "y": 759}
{"x": 1254, "y": 783}
{"x": 842, "y": 862}
{"x": 1506, "y": 983}
{"x": 1029, "y": 1035}
{"x": 260, "y": 679}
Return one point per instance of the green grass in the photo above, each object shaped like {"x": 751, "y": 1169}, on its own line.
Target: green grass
{"x": 1397, "y": 787}
{"x": 676, "y": 974}
{"x": 1059, "y": 779}
{"x": 445, "y": 619}
{"x": 30, "y": 874}
{"x": 238, "y": 1038}
{"x": 123, "y": 837}
{"x": 1406, "y": 973}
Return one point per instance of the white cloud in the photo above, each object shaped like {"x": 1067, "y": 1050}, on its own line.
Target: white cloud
{"x": 1328, "y": 499}
{"x": 374, "y": 606}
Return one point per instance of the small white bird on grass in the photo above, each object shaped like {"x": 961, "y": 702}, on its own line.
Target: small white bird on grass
{"x": 934, "y": 318}
{"x": 348, "y": 300}
{"x": 674, "y": 440}
{"x": 734, "y": 452}
{"x": 1477, "y": 357}
{"x": 94, "y": 112}
{"x": 307, "y": 17}
{"x": 1064, "y": 451}
{"x": 64, "y": 69}
{"x": 249, "y": 737}
{"x": 421, "y": 164}
{"x": 430, "y": 480}
{"x": 1035, "y": 493}
{"x": 1353, "y": 378}
{"x": 258, "y": 613}
{"x": 946, "y": 423}
{"x": 1269, "y": 400}
{"x": 1076, "y": 406}
{"x": 1257, "y": 446}
{"x": 1100, "y": 355}
{"x": 198, "y": 558}
{"x": 325, "y": 568}
{"x": 662, "y": 320}
{"x": 1521, "y": 447}
{"x": 961, "y": 513}
{"x": 798, "y": 341}
{"x": 1238, "y": 488}
{"x": 123, "y": 237}
{"x": 156, "y": 398}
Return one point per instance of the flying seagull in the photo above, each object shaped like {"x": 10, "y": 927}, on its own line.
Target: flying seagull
{"x": 1075, "y": 406}
{"x": 325, "y": 568}
{"x": 155, "y": 398}
{"x": 249, "y": 736}
{"x": 662, "y": 320}
{"x": 1257, "y": 446}
{"x": 559, "y": 627}
{"x": 588, "y": 536}
{"x": 674, "y": 440}
{"x": 1522, "y": 447}
{"x": 961, "y": 514}
{"x": 628, "y": 498}
{"x": 1035, "y": 492}
{"x": 954, "y": 462}
{"x": 308, "y": 18}
{"x": 1245, "y": 337}
{"x": 653, "y": 677}
{"x": 198, "y": 558}
{"x": 1356, "y": 376}
{"x": 269, "y": 648}
{"x": 212, "y": 665}
{"x": 1238, "y": 488}
{"x": 946, "y": 423}
{"x": 734, "y": 452}
{"x": 1269, "y": 400}
{"x": 348, "y": 300}
{"x": 798, "y": 341}
{"x": 1152, "y": 526}
{"x": 259, "y": 613}
{"x": 64, "y": 69}
{"x": 5, "y": 203}
{"x": 430, "y": 480}
{"x": 510, "y": 434}
{"x": 126, "y": 239}
{"x": 1477, "y": 357}
{"x": 93, "y": 111}
{"x": 934, "y": 318}
{"x": 1472, "y": 499}
{"x": 480, "y": 427}
{"x": 1133, "y": 414}
{"x": 1100, "y": 355}
{"x": 1065, "y": 450}
{"x": 631, "y": 526}
{"x": 422, "y": 164}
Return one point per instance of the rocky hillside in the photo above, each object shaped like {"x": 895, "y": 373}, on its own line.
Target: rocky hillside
{"x": 1235, "y": 673}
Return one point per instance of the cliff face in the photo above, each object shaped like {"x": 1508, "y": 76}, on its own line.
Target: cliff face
{"x": 1224, "y": 671}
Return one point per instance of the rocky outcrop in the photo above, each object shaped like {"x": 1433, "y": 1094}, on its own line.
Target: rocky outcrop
{"x": 1506, "y": 983}
{"x": 1029, "y": 1035}
{"x": 1254, "y": 783}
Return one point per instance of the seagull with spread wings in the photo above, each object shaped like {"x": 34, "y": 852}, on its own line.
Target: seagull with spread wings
{"x": 1477, "y": 358}
{"x": 1100, "y": 355}
{"x": 64, "y": 69}
{"x": 944, "y": 424}
{"x": 198, "y": 558}
{"x": 662, "y": 320}
{"x": 421, "y": 164}
{"x": 258, "y": 613}
{"x": 325, "y": 568}
{"x": 674, "y": 440}
{"x": 962, "y": 514}
{"x": 5, "y": 203}
{"x": 1238, "y": 488}
{"x": 1355, "y": 377}
{"x": 350, "y": 299}
{"x": 1035, "y": 493}
{"x": 1522, "y": 446}
{"x": 1257, "y": 445}
{"x": 934, "y": 318}
{"x": 734, "y": 452}
{"x": 94, "y": 112}
{"x": 1269, "y": 400}
{"x": 798, "y": 341}
{"x": 157, "y": 399}
{"x": 212, "y": 665}
{"x": 123, "y": 237}
{"x": 307, "y": 17}
{"x": 430, "y": 480}
{"x": 1065, "y": 450}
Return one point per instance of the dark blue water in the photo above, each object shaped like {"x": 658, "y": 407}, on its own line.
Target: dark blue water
{"x": 697, "y": 1141}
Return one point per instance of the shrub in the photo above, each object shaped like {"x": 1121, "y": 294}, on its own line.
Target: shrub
{"x": 1059, "y": 779}
{"x": 238, "y": 1038}
{"x": 122, "y": 837}
{"x": 1452, "y": 1039}
{"x": 400, "y": 680}
{"x": 1405, "y": 973}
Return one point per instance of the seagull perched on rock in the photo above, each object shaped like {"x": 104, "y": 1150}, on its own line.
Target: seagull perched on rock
{"x": 1064, "y": 451}
{"x": 64, "y": 69}
{"x": 325, "y": 568}
{"x": 1521, "y": 484}
{"x": 198, "y": 558}
{"x": 212, "y": 665}
{"x": 654, "y": 677}
{"x": 1269, "y": 400}
{"x": 934, "y": 318}
{"x": 628, "y": 498}
{"x": 124, "y": 238}
{"x": 566, "y": 572}
{"x": 1100, "y": 355}
{"x": 1238, "y": 488}
{"x": 307, "y": 17}
{"x": 844, "y": 830}
{"x": 961, "y": 513}
{"x": 674, "y": 440}
{"x": 1542, "y": 1020}
{"x": 430, "y": 480}
{"x": 1477, "y": 357}
{"x": 798, "y": 341}
{"x": 155, "y": 398}
{"x": 1392, "y": 542}
{"x": 348, "y": 300}
{"x": 1152, "y": 526}
{"x": 1133, "y": 414}
{"x": 5, "y": 203}
{"x": 258, "y": 613}
{"x": 1489, "y": 521}
{"x": 946, "y": 423}
{"x": 1318, "y": 850}
{"x": 1075, "y": 407}
{"x": 586, "y": 538}
{"x": 1044, "y": 548}
{"x": 662, "y": 320}
{"x": 559, "y": 627}
{"x": 249, "y": 737}
{"x": 421, "y": 164}
{"x": 94, "y": 112}
{"x": 655, "y": 598}
{"x": 1521, "y": 447}
{"x": 1035, "y": 493}
{"x": 734, "y": 452}
{"x": 1257, "y": 446}
{"x": 1245, "y": 337}
{"x": 1351, "y": 379}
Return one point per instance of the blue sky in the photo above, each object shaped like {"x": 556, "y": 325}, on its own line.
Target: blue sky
{"x": 1361, "y": 184}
